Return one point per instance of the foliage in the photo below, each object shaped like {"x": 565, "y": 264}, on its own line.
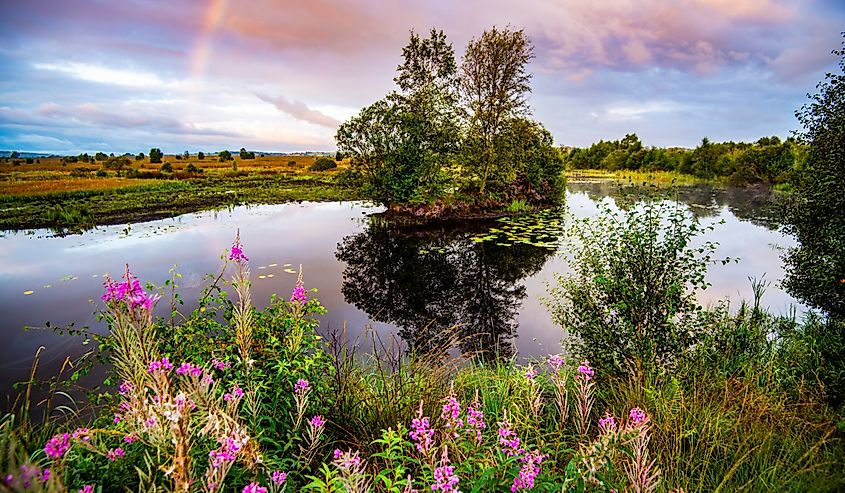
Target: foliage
{"x": 156, "y": 155}
{"x": 244, "y": 154}
{"x": 200, "y": 155}
{"x": 323, "y": 163}
{"x": 816, "y": 268}
{"x": 224, "y": 156}
{"x": 630, "y": 298}
{"x": 167, "y": 168}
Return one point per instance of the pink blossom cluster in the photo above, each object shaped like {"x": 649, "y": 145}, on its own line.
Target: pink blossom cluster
{"x": 585, "y": 371}
{"x": 508, "y": 440}
{"x": 607, "y": 423}
{"x": 163, "y": 365}
{"x": 128, "y": 291}
{"x": 555, "y": 361}
{"x": 28, "y": 478}
{"x": 236, "y": 393}
{"x": 346, "y": 460}
{"x": 421, "y": 433}
{"x": 254, "y": 488}
{"x": 529, "y": 471}
{"x": 81, "y": 434}
{"x": 637, "y": 416}
{"x": 530, "y": 374}
{"x": 86, "y": 489}
{"x": 475, "y": 422}
{"x": 237, "y": 252}
{"x": 451, "y": 412}
{"x": 227, "y": 451}
{"x": 299, "y": 295}
{"x": 189, "y": 370}
{"x": 301, "y": 386}
{"x": 445, "y": 479}
{"x": 220, "y": 365}
{"x": 57, "y": 447}
{"x": 278, "y": 477}
{"x": 116, "y": 453}
{"x": 316, "y": 422}
{"x": 125, "y": 387}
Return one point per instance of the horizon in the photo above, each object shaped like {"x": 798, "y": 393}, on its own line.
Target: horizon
{"x": 280, "y": 75}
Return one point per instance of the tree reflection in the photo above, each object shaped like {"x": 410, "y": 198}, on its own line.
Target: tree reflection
{"x": 439, "y": 287}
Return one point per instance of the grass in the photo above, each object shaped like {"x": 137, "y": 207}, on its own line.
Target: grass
{"x": 667, "y": 178}
{"x": 45, "y": 195}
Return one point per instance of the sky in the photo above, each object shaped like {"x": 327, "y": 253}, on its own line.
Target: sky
{"x": 280, "y": 75}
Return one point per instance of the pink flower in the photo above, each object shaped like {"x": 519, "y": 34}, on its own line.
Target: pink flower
{"x": 475, "y": 422}
{"x": 125, "y": 387}
{"x": 237, "y": 393}
{"x": 508, "y": 440}
{"x": 83, "y": 434}
{"x": 129, "y": 291}
{"x": 445, "y": 479}
{"x": 346, "y": 460}
{"x": 279, "y": 477}
{"x": 299, "y": 295}
{"x": 530, "y": 374}
{"x": 555, "y": 361}
{"x": 529, "y": 471}
{"x": 221, "y": 365}
{"x": 421, "y": 433}
{"x": 317, "y": 422}
{"x": 45, "y": 475}
{"x": 162, "y": 365}
{"x": 237, "y": 252}
{"x": 189, "y": 369}
{"x": 301, "y": 386}
{"x": 637, "y": 415}
{"x": 607, "y": 423}
{"x": 87, "y": 489}
{"x": 130, "y": 439}
{"x": 585, "y": 371}
{"x": 254, "y": 488}
{"x": 57, "y": 446}
{"x": 115, "y": 454}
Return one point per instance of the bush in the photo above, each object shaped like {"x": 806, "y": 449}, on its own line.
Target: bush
{"x": 322, "y": 164}
{"x": 81, "y": 172}
{"x": 630, "y": 299}
{"x": 191, "y": 168}
{"x": 102, "y": 173}
{"x": 155, "y": 155}
{"x": 167, "y": 168}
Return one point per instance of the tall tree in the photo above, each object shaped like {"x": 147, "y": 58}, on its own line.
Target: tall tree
{"x": 494, "y": 84}
{"x": 816, "y": 213}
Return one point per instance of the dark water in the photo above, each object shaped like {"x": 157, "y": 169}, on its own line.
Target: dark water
{"x": 407, "y": 281}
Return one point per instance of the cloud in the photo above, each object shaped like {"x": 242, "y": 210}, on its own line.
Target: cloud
{"x": 300, "y": 111}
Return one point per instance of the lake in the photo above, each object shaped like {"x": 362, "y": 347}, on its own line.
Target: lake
{"x": 411, "y": 282}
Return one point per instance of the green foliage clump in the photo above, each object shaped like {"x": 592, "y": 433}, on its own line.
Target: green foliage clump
{"x": 156, "y": 155}
{"x": 323, "y": 163}
{"x": 630, "y": 300}
{"x": 244, "y": 154}
{"x": 167, "y": 168}
{"x": 224, "y": 156}
{"x": 192, "y": 168}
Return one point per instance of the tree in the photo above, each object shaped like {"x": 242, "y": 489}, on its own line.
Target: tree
{"x": 139, "y": 157}
{"x": 100, "y": 156}
{"x": 494, "y": 85}
{"x": 815, "y": 270}
{"x": 224, "y": 156}
{"x": 15, "y": 155}
{"x": 244, "y": 154}
{"x": 200, "y": 155}
{"x": 156, "y": 155}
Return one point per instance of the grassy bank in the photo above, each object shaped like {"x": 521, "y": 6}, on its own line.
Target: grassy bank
{"x": 664, "y": 178}
{"x": 49, "y": 195}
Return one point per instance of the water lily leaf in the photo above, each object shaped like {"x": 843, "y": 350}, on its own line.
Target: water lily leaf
{"x": 290, "y": 271}
{"x": 28, "y": 292}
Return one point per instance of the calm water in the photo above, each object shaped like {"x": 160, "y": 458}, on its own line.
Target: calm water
{"x": 409, "y": 282}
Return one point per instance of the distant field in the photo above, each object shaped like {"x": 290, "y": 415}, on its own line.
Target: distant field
{"x": 51, "y": 175}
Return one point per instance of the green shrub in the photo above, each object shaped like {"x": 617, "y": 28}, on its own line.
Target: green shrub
{"x": 191, "y": 168}
{"x": 322, "y": 164}
{"x": 167, "y": 168}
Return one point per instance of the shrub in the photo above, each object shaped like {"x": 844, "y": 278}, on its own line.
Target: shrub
{"x": 322, "y": 164}
{"x": 167, "y": 168}
{"x": 630, "y": 298}
{"x": 155, "y": 155}
{"x": 81, "y": 172}
{"x": 191, "y": 168}
{"x": 102, "y": 173}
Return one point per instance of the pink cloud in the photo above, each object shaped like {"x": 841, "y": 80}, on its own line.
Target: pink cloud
{"x": 300, "y": 111}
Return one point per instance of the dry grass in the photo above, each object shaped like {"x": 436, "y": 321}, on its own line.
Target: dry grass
{"x": 42, "y": 187}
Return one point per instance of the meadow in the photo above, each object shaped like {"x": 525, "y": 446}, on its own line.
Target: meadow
{"x": 52, "y": 193}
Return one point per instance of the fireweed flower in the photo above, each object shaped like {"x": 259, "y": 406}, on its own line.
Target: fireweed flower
{"x": 637, "y": 416}
{"x": 444, "y": 476}
{"x": 45, "y": 475}
{"x": 115, "y": 454}
{"x": 475, "y": 421}
{"x": 86, "y": 489}
{"x": 529, "y": 374}
{"x": 317, "y": 422}
{"x": 125, "y": 388}
{"x": 83, "y": 434}
{"x": 279, "y": 478}
{"x": 220, "y": 365}
{"x": 130, "y": 439}
{"x": 346, "y": 460}
{"x": 236, "y": 393}
{"x": 508, "y": 440}
{"x": 585, "y": 371}
{"x": 452, "y": 411}
{"x": 298, "y": 294}
{"x": 421, "y": 432}
{"x": 189, "y": 369}
{"x": 237, "y": 252}
{"x": 555, "y": 361}
{"x": 129, "y": 291}
{"x": 163, "y": 365}
{"x": 607, "y": 423}
{"x": 301, "y": 386}
{"x": 529, "y": 471}
{"x": 57, "y": 446}
{"x": 254, "y": 488}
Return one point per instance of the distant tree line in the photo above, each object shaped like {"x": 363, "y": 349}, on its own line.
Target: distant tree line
{"x": 453, "y": 131}
{"x": 768, "y": 160}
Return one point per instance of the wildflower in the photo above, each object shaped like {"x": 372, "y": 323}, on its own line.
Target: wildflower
{"x": 125, "y": 388}
{"x": 452, "y": 411}
{"x": 117, "y": 418}
{"x": 301, "y": 386}
{"x": 221, "y": 365}
{"x": 585, "y": 371}
{"x": 555, "y": 361}
{"x": 279, "y": 477}
{"x": 86, "y": 489}
{"x": 150, "y": 422}
{"x": 237, "y": 252}
{"x": 607, "y": 423}
{"x": 189, "y": 369}
{"x": 8, "y": 479}
{"x": 298, "y": 294}
{"x": 346, "y": 460}
{"x": 162, "y": 365}
{"x": 530, "y": 374}
{"x": 421, "y": 432}
{"x": 637, "y": 416}
{"x": 508, "y": 439}
{"x": 237, "y": 393}
{"x": 529, "y": 471}
{"x": 444, "y": 476}
{"x": 115, "y": 454}
{"x": 57, "y": 446}
{"x": 45, "y": 475}
{"x": 83, "y": 434}
{"x": 475, "y": 421}
{"x": 254, "y": 488}
{"x": 130, "y": 439}
{"x": 317, "y": 422}
{"x": 129, "y": 291}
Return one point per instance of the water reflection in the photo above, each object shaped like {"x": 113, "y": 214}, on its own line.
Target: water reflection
{"x": 426, "y": 282}
{"x": 757, "y": 205}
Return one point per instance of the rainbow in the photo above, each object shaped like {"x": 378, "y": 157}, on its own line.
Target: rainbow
{"x": 214, "y": 14}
